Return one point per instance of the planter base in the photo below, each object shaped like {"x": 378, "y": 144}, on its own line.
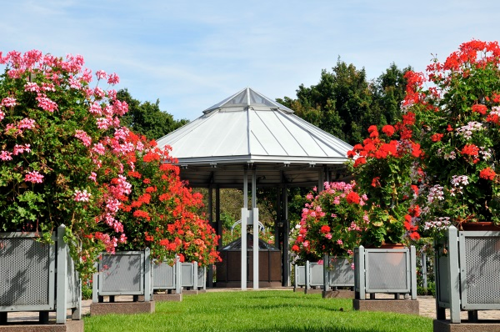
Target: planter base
{"x": 313, "y": 291}
{"x": 400, "y": 306}
{"x": 339, "y": 294}
{"x": 122, "y": 308}
{"x": 70, "y": 326}
{"x": 465, "y": 326}
{"x": 167, "y": 297}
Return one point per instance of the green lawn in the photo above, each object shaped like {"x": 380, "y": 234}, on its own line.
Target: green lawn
{"x": 258, "y": 311}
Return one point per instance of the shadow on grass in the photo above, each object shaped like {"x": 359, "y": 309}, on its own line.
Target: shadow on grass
{"x": 294, "y": 305}
{"x": 317, "y": 329}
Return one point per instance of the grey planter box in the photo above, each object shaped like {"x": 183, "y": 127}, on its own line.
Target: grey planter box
{"x": 300, "y": 276}
{"x": 391, "y": 271}
{"x": 339, "y": 272}
{"x": 166, "y": 277}
{"x": 124, "y": 273}
{"x": 192, "y": 276}
{"x": 38, "y": 277}
{"x": 468, "y": 275}
{"x": 310, "y": 275}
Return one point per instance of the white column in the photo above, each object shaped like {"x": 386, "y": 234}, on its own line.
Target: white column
{"x": 255, "y": 216}
{"x": 244, "y": 218}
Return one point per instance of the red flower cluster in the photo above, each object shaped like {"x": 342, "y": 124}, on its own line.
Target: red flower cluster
{"x": 353, "y": 198}
{"x": 487, "y": 174}
{"x": 374, "y": 147}
{"x": 325, "y": 229}
{"x": 479, "y": 108}
{"x": 437, "y": 137}
{"x": 470, "y": 149}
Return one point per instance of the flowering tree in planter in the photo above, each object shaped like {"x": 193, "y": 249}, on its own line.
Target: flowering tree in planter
{"x": 332, "y": 221}
{"x": 50, "y": 119}
{"x": 385, "y": 168}
{"x": 156, "y": 209}
{"x": 65, "y": 159}
{"x": 457, "y": 121}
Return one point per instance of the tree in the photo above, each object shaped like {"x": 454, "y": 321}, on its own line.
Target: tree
{"x": 389, "y": 91}
{"x": 344, "y": 103}
{"x": 146, "y": 118}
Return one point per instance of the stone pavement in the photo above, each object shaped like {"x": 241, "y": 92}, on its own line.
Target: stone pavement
{"x": 427, "y": 308}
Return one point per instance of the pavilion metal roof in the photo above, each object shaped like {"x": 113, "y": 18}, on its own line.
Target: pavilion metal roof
{"x": 249, "y": 128}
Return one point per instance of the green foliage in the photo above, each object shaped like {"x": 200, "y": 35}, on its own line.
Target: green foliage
{"x": 146, "y": 118}
{"x": 86, "y": 291}
{"x": 430, "y": 290}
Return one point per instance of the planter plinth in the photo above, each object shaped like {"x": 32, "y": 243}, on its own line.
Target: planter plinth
{"x": 339, "y": 294}
{"x": 70, "y": 326}
{"x": 465, "y": 326}
{"x": 313, "y": 291}
{"x": 410, "y": 307}
{"x": 167, "y": 297}
{"x": 105, "y": 308}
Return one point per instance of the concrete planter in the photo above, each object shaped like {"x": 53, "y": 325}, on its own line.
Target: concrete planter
{"x": 387, "y": 271}
{"x": 123, "y": 274}
{"x": 38, "y": 277}
{"x": 339, "y": 278}
{"x": 313, "y": 276}
{"x": 193, "y": 278}
{"x": 467, "y": 278}
{"x": 309, "y": 276}
{"x": 166, "y": 277}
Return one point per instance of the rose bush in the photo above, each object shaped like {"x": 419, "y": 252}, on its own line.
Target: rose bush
{"x": 331, "y": 222}
{"x": 457, "y": 108}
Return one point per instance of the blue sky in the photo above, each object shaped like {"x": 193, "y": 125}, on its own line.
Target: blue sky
{"x": 192, "y": 54}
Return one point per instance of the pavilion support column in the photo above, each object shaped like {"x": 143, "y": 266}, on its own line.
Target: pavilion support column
{"x": 217, "y": 216}
{"x": 328, "y": 178}
{"x": 244, "y": 218}
{"x": 255, "y": 220}
{"x": 210, "y": 277}
{"x": 286, "y": 245}
{"x": 321, "y": 180}
{"x": 278, "y": 222}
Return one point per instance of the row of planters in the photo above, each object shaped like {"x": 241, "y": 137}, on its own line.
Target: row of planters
{"x": 433, "y": 174}
{"x": 76, "y": 187}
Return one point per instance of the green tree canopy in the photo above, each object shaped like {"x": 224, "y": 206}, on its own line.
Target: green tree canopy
{"x": 146, "y": 118}
{"x": 344, "y": 103}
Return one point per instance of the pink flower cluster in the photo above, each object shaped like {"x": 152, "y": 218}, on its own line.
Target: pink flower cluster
{"x": 19, "y": 149}
{"x": 34, "y": 177}
{"x": 84, "y": 137}
{"x": 81, "y": 196}
{"x": 8, "y": 102}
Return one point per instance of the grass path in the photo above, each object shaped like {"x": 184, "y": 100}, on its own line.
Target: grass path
{"x": 258, "y": 311}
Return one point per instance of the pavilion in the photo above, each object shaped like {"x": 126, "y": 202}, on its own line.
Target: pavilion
{"x": 248, "y": 133}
